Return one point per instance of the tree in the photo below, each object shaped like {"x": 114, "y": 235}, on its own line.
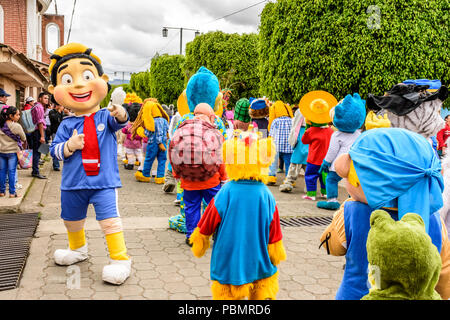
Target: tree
{"x": 351, "y": 46}
{"x": 233, "y": 58}
{"x": 167, "y": 78}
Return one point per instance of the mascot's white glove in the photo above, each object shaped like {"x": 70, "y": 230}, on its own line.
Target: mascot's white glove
{"x": 76, "y": 142}
{"x": 115, "y": 105}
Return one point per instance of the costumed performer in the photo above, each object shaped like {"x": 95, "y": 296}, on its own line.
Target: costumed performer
{"x": 87, "y": 144}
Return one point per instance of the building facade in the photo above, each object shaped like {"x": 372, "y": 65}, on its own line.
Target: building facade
{"x": 26, "y": 33}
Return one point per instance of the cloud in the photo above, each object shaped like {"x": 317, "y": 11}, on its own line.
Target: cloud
{"x": 126, "y": 34}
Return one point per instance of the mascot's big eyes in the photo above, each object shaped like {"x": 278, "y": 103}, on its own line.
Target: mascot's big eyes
{"x": 88, "y": 75}
{"x": 66, "y": 79}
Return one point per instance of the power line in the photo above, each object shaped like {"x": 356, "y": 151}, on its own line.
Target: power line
{"x": 238, "y": 11}
{"x": 71, "y": 19}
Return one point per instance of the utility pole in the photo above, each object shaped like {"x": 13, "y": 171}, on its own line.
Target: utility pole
{"x": 165, "y": 32}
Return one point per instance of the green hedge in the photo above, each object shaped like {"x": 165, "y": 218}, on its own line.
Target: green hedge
{"x": 232, "y": 57}
{"x": 348, "y": 46}
{"x": 167, "y": 78}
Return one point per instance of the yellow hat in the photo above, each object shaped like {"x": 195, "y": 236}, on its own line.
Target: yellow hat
{"x": 182, "y": 105}
{"x": 316, "y": 105}
{"x": 70, "y": 48}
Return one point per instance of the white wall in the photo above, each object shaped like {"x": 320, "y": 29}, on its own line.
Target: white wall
{"x": 31, "y": 29}
{"x": 2, "y": 25}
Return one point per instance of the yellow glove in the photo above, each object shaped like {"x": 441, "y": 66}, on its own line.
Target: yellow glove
{"x": 373, "y": 121}
{"x": 161, "y": 147}
{"x": 141, "y": 132}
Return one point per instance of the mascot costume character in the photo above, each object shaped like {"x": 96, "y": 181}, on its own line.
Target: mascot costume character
{"x": 244, "y": 217}
{"x": 203, "y": 87}
{"x": 381, "y": 173}
{"x": 403, "y": 262}
{"x": 87, "y": 144}
{"x": 152, "y": 123}
{"x": 348, "y": 117}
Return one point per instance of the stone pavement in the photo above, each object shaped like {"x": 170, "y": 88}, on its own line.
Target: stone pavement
{"x": 163, "y": 265}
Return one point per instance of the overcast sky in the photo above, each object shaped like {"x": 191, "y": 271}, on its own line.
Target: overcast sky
{"x": 126, "y": 34}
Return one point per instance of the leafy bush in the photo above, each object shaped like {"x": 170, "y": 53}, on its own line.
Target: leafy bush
{"x": 167, "y": 78}
{"x": 232, "y": 57}
{"x": 351, "y": 46}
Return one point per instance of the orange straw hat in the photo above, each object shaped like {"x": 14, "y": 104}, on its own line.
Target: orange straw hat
{"x": 315, "y": 106}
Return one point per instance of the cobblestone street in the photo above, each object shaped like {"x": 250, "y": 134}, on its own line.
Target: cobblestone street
{"x": 163, "y": 265}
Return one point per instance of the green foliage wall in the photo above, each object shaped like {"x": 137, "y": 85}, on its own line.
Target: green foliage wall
{"x": 232, "y": 57}
{"x": 164, "y": 80}
{"x": 346, "y": 46}
{"x": 167, "y": 78}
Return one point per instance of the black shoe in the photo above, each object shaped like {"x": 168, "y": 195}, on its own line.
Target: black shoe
{"x": 187, "y": 242}
{"x": 56, "y": 169}
{"x": 39, "y": 176}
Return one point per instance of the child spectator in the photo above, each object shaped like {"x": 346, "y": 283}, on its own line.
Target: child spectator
{"x": 11, "y": 138}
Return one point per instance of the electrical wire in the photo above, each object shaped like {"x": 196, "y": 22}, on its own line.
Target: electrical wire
{"x": 238, "y": 11}
{"x": 71, "y": 19}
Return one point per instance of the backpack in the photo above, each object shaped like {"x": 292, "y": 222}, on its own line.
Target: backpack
{"x": 27, "y": 121}
{"x": 195, "y": 151}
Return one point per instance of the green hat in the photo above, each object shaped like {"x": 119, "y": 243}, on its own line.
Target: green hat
{"x": 241, "y": 110}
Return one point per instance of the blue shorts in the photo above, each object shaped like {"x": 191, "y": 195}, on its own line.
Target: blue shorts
{"x": 74, "y": 204}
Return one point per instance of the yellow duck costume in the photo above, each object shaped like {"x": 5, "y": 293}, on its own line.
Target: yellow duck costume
{"x": 87, "y": 144}
{"x": 152, "y": 122}
{"x": 248, "y": 245}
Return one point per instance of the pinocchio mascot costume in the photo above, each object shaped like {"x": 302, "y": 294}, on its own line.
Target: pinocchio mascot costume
{"x": 248, "y": 241}
{"x": 87, "y": 144}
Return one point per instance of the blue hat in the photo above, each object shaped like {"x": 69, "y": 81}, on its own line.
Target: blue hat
{"x": 394, "y": 164}
{"x": 434, "y": 84}
{"x": 3, "y": 93}
{"x": 349, "y": 115}
{"x": 257, "y": 104}
{"x": 203, "y": 87}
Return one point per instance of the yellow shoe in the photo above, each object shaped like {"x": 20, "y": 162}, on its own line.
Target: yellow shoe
{"x": 137, "y": 163}
{"x": 125, "y": 161}
{"x": 271, "y": 180}
{"x": 159, "y": 180}
{"x": 140, "y": 177}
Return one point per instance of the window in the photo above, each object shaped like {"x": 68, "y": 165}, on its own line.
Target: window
{"x": 2, "y": 25}
{"x": 52, "y": 37}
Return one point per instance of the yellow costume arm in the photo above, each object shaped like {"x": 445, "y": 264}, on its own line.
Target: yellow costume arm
{"x": 373, "y": 121}
{"x": 149, "y": 122}
{"x": 141, "y": 132}
{"x": 277, "y": 253}
{"x": 200, "y": 243}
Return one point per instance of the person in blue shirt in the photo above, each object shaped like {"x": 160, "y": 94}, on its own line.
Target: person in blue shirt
{"x": 87, "y": 145}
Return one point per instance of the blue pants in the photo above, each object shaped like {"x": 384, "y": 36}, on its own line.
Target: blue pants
{"x": 8, "y": 167}
{"x": 332, "y": 185}
{"x": 311, "y": 176}
{"x": 153, "y": 152}
{"x": 285, "y": 157}
{"x": 193, "y": 202}
{"x": 74, "y": 204}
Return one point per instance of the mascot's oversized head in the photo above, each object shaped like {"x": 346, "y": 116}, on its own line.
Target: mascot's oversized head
{"x": 403, "y": 262}
{"x": 77, "y": 78}
{"x": 202, "y": 87}
{"x": 349, "y": 115}
{"x": 247, "y": 157}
